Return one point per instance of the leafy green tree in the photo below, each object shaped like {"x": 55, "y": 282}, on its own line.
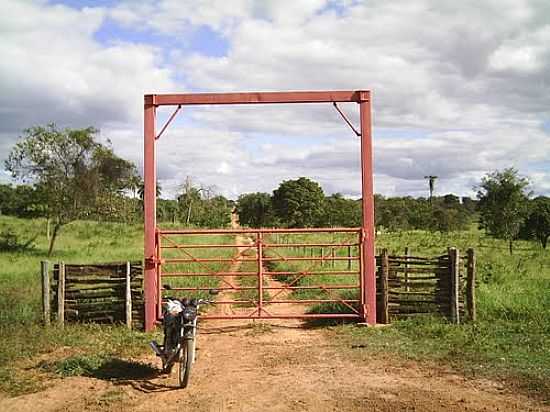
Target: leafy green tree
{"x": 215, "y": 212}
{"x": 503, "y": 204}
{"x": 341, "y": 212}
{"x": 537, "y": 224}
{"x": 255, "y": 210}
{"x": 21, "y": 201}
{"x": 451, "y": 201}
{"x": 6, "y": 199}
{"x": 167, "y": 210}
{"x": 190, "y": 204}
{"x": 114, "y": 176}
{"x": 67, "y": 168}
{"x": 298, "y": 203}
{"x": 469, "y": 204}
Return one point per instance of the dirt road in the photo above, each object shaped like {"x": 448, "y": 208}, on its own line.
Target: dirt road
{"x": 277, "y": 366}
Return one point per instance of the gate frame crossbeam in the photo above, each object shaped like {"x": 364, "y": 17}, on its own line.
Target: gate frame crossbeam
{"x": 151, "y": 246}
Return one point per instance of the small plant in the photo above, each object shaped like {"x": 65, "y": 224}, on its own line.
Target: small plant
{"x": 9, "y": 242}
{"x": 79, "y": 365}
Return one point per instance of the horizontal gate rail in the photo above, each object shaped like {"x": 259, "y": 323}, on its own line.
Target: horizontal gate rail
{"x": 254, "y": 231}
{"x": 203, "y": 246}
{"x": 206, "y": 274}
{"x": 270, "y": 245}
{"x": 253, "y": 274}
{"x": 297, "y": 316}
{"x": 279, "y": 259}
{"x": 296, "y": 245}
{"x": 269, "y": 288}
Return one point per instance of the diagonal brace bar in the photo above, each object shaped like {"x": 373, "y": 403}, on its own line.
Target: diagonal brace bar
{"x": 346, "y": 119}
{"x": 168, "y": 122}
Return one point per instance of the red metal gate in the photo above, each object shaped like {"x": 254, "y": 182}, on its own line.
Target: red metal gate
{"x": 321, "y": 277}
{"x": 152, "y": 246}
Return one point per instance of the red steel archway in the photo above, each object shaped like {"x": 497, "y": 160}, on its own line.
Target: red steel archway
{"x": 152, "y": 242}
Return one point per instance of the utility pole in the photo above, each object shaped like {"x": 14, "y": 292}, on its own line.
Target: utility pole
{"x": 431, "y": 180}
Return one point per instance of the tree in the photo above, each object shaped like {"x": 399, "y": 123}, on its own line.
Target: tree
{"x": 255, "y": 210}
{"x": 469, "y": 204}
{"x": 189, "y": 200}
{"x": 537, "y": 224}
{"x": 341, "y": 212}
{"x": 298, "y": 203}
{"x": 216, "y": 212}
{"x": 114, "y": 176}
{"x": 431, "y": 185}
{"x": 67, "y": 167}
{"x": 503, "y": 204}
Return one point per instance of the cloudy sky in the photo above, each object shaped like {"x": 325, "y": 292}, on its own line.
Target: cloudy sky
{"x": 460, "y": 88}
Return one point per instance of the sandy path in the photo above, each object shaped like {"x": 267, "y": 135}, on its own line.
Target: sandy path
{"x": 280, "y": 366}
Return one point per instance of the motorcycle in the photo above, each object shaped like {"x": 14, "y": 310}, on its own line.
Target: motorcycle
{"x": 180, "y": 332}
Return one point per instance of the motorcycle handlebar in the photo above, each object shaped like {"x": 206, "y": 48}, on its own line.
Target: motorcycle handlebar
{"x": 199, "y": 301}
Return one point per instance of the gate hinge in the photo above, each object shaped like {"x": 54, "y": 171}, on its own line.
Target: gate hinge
{"x": 153, "y": 261}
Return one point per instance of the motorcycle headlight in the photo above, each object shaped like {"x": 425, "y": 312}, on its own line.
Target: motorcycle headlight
{"x": 189, "y": 313}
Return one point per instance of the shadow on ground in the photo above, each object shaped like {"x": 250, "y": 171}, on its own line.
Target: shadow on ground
{"x": 115, "y": 369}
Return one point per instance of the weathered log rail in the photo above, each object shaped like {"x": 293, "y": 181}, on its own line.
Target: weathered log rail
{"x": 412, "y": 285}
{"x": 101, "y": 293}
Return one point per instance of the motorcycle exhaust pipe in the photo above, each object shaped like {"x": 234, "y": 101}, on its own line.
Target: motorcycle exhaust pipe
{"x": 156, "y": 348}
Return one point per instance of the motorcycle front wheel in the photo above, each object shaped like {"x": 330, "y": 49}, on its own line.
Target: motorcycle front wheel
{"x": 186, "y": 360}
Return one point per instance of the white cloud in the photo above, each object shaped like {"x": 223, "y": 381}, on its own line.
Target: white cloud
{"x": 526, "y": 54}
{"x": 52, "y": 69}
{"x": 460, "y": 88}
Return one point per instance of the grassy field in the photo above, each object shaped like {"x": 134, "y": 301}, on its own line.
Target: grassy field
{"x": 510, "y": 340}
{"x": 85, "y": 347}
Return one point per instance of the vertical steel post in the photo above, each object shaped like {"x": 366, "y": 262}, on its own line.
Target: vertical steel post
{"x": 158, "y": 274}
{"x": 149, "y": 212}
{"x": 368, "y": 267}
{"x": 360, "y": 240}
{"x": 260, "y": 253}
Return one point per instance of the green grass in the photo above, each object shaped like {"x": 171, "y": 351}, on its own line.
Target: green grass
{"x": 510, "y": 340}
{"x": 21, "y": 335}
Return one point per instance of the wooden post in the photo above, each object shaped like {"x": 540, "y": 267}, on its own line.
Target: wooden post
{"x": 349, "y": 257}
{"x": 384, "y": 275}
{"x": 61, "y": 294}
{"x": 454, "y": 272}
{"x": 407, "y": 254}
{"x": 322, "y": 257}
{"x": 333, "y": 255}
{"x": 471, "y": 285}
{"x": 45, "y": 292}
{"x": 128, "y": 296}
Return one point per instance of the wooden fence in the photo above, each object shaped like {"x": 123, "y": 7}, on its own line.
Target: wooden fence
{"x": 413, "y": 285}
{"x": 102, "y": 293}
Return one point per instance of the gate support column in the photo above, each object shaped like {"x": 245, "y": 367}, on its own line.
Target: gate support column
{"x": 368, "y": 274}
{"x": 150, "y": 213}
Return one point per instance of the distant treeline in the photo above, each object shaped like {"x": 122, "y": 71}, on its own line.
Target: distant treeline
{"x": 296, "y": 203}
{"x": 302, "y": 203}
{"x": 67, "y": 175}
{"x": 192, "y": 208}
